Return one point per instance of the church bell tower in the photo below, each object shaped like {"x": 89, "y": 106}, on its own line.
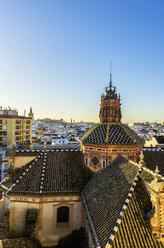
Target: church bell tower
{"x": 110, "y": 107}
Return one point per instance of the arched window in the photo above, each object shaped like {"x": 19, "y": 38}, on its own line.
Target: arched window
{"x": 63, "y": 215}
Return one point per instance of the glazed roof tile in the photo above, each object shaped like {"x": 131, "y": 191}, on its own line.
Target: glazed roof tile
{"x": 117, "y": 203}
{"x": 49, "y": 174}
{"x": 153, "y": 159}
{"x": 105, "y": 195}
{"x": 134, "y": 230}
{"x": 147, "y": 176}
{"x": 111, "y": 134}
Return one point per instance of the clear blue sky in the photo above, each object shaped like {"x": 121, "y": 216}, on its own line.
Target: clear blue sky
{"x": 55, "y": 56}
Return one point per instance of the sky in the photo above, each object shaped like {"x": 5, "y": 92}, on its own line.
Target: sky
{"x": 55, "y": 57}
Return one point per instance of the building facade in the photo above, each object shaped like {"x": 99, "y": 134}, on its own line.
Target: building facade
{"x": 14, "y": 129}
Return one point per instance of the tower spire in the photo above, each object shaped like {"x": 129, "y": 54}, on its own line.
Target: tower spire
{"x": 111, "y": 72}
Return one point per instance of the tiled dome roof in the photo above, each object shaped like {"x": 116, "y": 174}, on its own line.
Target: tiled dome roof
{"x": 111, "y": 134}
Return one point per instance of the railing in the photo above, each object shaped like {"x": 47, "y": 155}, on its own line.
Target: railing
{"x": 17, "y": 122}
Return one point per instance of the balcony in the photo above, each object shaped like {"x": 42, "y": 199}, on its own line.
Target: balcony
{"x": 17, "y": 132}
{"x": 18, "y": 122}
{"x": 17, "y": 127}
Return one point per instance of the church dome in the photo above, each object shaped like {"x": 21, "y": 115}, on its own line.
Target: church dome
{"x": 110, "y": 138}
{"x": 111, "y": 134}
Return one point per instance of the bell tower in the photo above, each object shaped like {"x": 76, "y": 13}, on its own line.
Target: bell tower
{"x": 110, "y": 106}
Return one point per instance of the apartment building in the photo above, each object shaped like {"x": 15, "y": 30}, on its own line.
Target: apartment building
{"x": 14, "y": 129}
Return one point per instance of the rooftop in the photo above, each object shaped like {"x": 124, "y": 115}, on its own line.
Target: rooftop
{"x": 116, "y": 203}
{"x": 55, "y": 173}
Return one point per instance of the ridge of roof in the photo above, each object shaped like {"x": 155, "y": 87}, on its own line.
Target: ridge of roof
{"x": 124, "y": 207}
{"x": 95, "y": 233}
{"x": 123, "y": 126}
{"x": 154, "y": 174}
{"x": 53, "y": 150}
{"x": 88, "y": 132}
{"x": 133, "y": 132}
{"x": 40, "y": 168}
{"x": 154, "y": 149}
{"x": 31, "y": 164}
{"x": 107, "y": 134}
{"x": 144, "y": 168}
{"x": 43, "y": 173}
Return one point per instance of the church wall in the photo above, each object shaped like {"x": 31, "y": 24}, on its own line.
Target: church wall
{"x": 18, "y": 216}
{"x": 5, "y": 205}
{"x": 157, "y": 218}
{"x": 48, "y": 231}
{"x": 106, "y": 155}
{"x": 51, "y": 231}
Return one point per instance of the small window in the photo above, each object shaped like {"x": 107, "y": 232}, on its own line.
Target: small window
{"x": 154, "y": 234}
{"x": 63, "y": 215}
{"x": 103, "y": 164}
{"x": 86, "y": 161}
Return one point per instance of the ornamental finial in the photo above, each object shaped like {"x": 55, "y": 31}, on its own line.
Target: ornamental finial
{"x": 110, "y": 73}
{"x": 141, "y": 158}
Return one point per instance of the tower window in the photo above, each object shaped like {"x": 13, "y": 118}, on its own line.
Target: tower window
{"x": 86, "y": 161}
{"x": 63, "y": 215}
{"x": 103, "y": 164}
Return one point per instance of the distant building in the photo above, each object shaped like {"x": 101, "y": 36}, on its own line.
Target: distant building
{"x": 3, "y": 163}
{"x": 105, "y": 141}
{"x": 155, "y": 141}
{"x": 14, "y": 129}
{"x": 31, "y": 114}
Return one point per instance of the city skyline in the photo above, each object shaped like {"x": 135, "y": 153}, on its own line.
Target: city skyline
{"x": 55, "y": 56}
